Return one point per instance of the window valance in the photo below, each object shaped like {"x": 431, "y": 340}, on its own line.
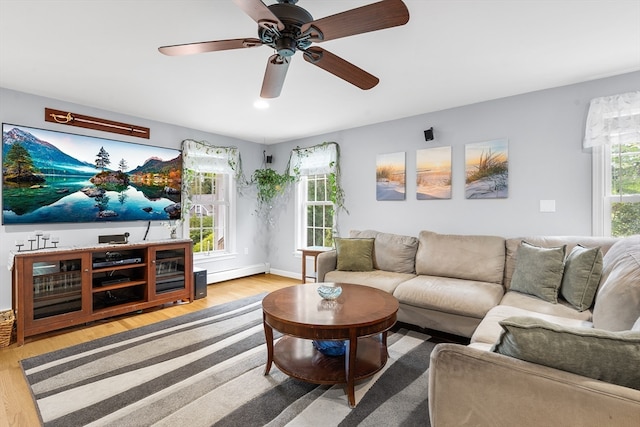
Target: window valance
{"x": 316, "y": 160}
{"x": 613, "y": 120}
{"x": 200, "y": 156}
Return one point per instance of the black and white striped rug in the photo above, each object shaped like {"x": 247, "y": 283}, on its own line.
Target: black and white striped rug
{"x": 206, "y": 368}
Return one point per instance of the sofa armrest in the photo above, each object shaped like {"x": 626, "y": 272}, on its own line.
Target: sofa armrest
{"x": 472, "y": 387}
{"x": 327, "y": 261}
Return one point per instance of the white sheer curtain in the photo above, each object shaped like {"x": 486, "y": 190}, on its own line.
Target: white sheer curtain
{"x": 317, "y": 160}
{"x": 200, "y": 156}
{"x": 613, "y": 120}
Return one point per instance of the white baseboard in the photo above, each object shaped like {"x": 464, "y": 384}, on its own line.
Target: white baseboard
{"x": 284, "y": 273}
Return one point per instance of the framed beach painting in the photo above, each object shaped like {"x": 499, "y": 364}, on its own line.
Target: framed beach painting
{"x": 487, "y": 170}
{"x": 433, "y": 173}
{"x": 390, "y": 176}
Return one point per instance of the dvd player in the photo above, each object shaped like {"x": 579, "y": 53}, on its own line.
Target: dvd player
{"x": 102, "y": 262}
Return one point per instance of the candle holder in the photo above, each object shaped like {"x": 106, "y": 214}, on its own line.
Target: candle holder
{"x": 37, "y": 238}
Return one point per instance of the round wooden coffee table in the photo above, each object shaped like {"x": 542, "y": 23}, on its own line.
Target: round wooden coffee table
{"x": 361, "y": 314}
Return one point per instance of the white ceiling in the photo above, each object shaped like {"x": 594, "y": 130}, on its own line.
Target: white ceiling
{"x": 103, "y": 53}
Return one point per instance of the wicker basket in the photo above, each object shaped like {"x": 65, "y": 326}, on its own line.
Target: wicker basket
{"x": 6, "y": 327}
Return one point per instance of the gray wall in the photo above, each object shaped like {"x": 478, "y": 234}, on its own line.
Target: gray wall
{"x": 28, "y": 110}
{"x": 546, "y": 162}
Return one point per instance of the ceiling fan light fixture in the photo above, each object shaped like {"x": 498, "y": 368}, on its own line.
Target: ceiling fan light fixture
{"x": 288, "y": 28}
{"x": 261, "y": 104}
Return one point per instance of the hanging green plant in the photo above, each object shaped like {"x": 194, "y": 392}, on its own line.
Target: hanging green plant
{"x": 270, "y": 184}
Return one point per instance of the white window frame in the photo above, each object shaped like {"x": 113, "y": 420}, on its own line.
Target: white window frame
{"x": 228, "y": 206}
{"x": 601, "y": 188}
{"x": 301, "y": 213}
{"x": 202, "y": 157}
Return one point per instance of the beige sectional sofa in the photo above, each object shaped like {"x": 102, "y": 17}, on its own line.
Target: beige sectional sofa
{"x": 462, "y": 285}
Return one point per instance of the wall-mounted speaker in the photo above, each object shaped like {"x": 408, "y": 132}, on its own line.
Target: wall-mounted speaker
{"x": 428, "y": 134}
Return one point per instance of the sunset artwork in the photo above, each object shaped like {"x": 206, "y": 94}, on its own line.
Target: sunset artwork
{"x": 487, "y": 170}
{"x": 390, "y": 176}
{"x": 433, "y": 173}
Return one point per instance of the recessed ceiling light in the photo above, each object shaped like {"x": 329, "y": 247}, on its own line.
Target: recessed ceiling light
{"x": 261, "y": 104}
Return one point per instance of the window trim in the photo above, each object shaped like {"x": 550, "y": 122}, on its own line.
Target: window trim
{"x": 230, "y": 225}
{"x": 300, "y": 215}
{"x": 601, "y": 191}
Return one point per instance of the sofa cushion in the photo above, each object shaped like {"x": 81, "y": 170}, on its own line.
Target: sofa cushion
{"x": 384, "y": 280}
{"x": 594, "y": 353}
{"x": 489, "y": 330}
{"x": 479, "y": 258}
{"x": 582, "y": 271}
{"x": 457, "y": 296}
{"x": 354, "y": 254}
{"x": 539, "y": 271}
{"x": 617, "y": 303}
{"x": 391, "y": 252}
{"x": 532, "y": 303}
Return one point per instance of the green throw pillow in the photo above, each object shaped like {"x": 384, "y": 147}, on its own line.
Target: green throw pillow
{"x": 612, "y": 357}
{"x": 354, "y": 254}
{"x": 582, "y": 271}
{"x": 538, "y": 271}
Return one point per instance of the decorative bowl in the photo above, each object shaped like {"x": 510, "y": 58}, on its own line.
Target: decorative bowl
{"x": 329, "y": 292}
{"x": 331, "y": 348}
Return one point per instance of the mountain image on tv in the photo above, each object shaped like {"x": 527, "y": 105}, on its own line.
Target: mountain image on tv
{"x": 50, "y": 177}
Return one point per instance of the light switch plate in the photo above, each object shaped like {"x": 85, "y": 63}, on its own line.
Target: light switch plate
{"x": 547, "y": 205}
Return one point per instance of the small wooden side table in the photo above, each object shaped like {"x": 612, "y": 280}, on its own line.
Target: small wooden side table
{"x": 311, "y": 251}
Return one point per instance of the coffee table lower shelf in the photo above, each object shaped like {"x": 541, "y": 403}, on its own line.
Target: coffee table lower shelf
{"x": 299, "y": 359}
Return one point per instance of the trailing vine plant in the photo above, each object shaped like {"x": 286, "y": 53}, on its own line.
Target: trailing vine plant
{"x": 271, "y": 187}
{"x": 336, "y": 193}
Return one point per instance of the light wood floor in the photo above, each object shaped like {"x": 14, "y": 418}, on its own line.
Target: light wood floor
{"x": 17, "y": 407}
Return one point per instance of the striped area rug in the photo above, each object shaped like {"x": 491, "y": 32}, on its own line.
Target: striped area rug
{"x": 206, "y": 369}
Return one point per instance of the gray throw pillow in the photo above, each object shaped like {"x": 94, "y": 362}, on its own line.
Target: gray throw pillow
{"x": 582, "y": 271}
{"x": 607, "y": 356}
{"x": 538, "y": 271}
{"x": 354, "y": 254}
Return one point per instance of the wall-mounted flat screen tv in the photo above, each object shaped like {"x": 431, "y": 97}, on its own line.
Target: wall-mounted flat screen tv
{"x": 54, "y": 177}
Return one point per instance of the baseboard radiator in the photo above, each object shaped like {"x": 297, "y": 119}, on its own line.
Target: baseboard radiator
{"x": 236, "y": 273}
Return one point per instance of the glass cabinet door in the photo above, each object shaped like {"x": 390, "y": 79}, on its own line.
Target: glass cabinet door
{"x": 57, "y": 287}
{"x": 169, "y": 270}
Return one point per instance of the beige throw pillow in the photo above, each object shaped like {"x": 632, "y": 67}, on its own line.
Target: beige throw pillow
{"x": 538, "y": 271}
{"x": 582, "y": 271}
{"x": 354, "y": 254}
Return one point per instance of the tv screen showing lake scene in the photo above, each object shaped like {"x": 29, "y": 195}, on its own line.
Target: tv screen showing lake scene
{"x": 54, "y": 177}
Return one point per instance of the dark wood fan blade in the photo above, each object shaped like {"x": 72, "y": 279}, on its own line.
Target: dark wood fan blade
{"x": 260, "y": 13}
{"x": 202, "y": 47}
{"x": 340, "y": 68}
{"x": 372, "y": 17}
{"x": 274, "y": 76}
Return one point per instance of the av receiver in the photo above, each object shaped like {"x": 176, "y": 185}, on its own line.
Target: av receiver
{"x": 104, "y": 262}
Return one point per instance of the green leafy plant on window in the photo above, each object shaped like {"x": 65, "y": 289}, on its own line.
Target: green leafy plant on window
{"x": 270, "y": 186}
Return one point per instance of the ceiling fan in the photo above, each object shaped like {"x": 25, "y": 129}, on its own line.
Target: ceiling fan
{"x": 288, "y": 28}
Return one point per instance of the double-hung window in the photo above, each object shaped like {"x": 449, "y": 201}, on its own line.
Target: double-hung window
{"x": 317, "y": 171}
{"x": 209, "y": 211}
{"x": 613, "y": 132}
{"x": 209, "y": 182}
